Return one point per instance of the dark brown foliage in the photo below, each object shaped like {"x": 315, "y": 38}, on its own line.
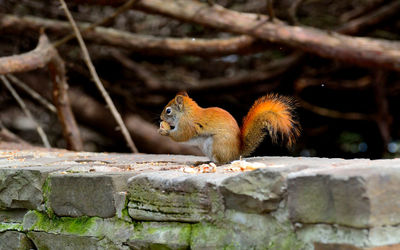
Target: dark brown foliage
{"x": 340, "y": 59}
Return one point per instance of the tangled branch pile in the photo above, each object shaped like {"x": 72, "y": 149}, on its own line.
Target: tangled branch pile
{"x": 341, "y": 59}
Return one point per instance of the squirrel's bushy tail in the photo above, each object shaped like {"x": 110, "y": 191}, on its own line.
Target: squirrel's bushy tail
{"x": 272, "y": 114}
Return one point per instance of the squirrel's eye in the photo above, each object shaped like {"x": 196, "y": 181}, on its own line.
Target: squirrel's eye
{"x": 168, "y": 110}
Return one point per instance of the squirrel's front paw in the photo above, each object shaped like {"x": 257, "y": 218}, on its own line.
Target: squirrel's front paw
{"x": 164, "y": 128}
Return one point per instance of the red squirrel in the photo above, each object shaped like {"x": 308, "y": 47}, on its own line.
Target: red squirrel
{"x": 217, "y": 133}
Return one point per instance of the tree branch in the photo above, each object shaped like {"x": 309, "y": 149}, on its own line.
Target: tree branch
{"x": 292, "y": 11}
{"x": 8, "y": 136}
{"x": 383, "y": 117}
{"x": 106, "y": 20}
{"x": 97, "y": 81}
{"x": 35, "y": 95}
{"x": 366, "y": 52}
{"x": 360, "y": 10}
{"x": 334, "y": 113}
{"x": 361, "y": 51}
{"x": 267, "y": 72}
{"x": 45, "y": 54}
{"x": 26, "y": 111}
{"x": 61, "y": 100}
{"x": 37, "y": 58}
{"x": 354, "y": 26}
{"x": 145, "y": 44}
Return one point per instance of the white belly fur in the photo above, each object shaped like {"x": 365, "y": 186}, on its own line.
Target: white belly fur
{"x": 205, "y": 143}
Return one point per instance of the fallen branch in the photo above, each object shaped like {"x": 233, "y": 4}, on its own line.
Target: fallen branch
{"x": 143, "y": 74}
{"x": 376, "y": 16}
{"x": 334, "y": 113}
{"x": 28, "y": 113}
{"x": 358, "y": 84}
{"x": 366, "y": 52}
{"x": 62, "y": 102}
{"x": 146, "y": 44}
{"x": 292, "y": 11}
{"x": 106, "y": 20}
{"x": 45, "y": 54}
{"x": 35, "y": 95}
{"x": 97, "y": 81}
{"x": 383, "y": 118}
{"x": 270, "y": 10}
{"x": 361, "y": 10}
{"x": 267, "y": 72}
{"x": 8, "y": 136}
{"x": 37, "y": 58}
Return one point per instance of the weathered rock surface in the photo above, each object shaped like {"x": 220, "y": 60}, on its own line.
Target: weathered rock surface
{"x": 14, "y": 240}
{"x": 12, "y": 215}
{"x": 65, "y": 200}
{"x": 258, "y": 191}
{"x": 361, "y": 196}
{"x": 22, "y": 188}
{"x": 161, "y": 235}
{"x": 175, "y": 196}
{"x": 74, "y": 194}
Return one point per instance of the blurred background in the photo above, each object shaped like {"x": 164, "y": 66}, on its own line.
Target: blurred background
{"x": 345, "y": 110}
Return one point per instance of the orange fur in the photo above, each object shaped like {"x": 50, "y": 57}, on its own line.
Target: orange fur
{"x": 273, "y": 112}
{"x": 217, "y": 133}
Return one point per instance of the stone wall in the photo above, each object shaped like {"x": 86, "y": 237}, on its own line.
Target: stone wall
{"x": 64, "y": 200}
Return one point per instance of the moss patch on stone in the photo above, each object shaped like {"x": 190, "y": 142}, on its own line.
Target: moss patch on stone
{"x": 207, "y": 235}
{"x": 10, "y": 227}
{"x": 162, "y": 235}
{"x": 287, "y": 242}
{"x": 42, "y": 222}
{"x": 46, "y": 189}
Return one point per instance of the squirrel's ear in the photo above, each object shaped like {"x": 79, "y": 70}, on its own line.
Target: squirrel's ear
{"x": 179, "y": 101}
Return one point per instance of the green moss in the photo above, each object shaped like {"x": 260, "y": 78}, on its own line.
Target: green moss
{"x": 234, "y": 236}
{"x": 206, "y": 235}
{"x": 186, "y": 233}
{"x": 182, "y": 230}
{"x": 138, "y": 225}
{"x": 125, "y": 212}
{"x": 287, "y": 242}
{"x": 78, "y": 226}
{"x": 46, "y": 189}
{"x": 10, "y": 227}
{"x": 163, "y": 235}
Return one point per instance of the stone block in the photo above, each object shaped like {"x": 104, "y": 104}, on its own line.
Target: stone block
{"x": 244, "y": 231}
{"x": 22, "y": 187}
{"x": 257, "y": 191}
{"x": 111, "y": 231}
{"x": 15, "y": 241}
{"x": 175, "y": 196}
{"x": 261, "y": 190}
{"x": 87, "y": 194}
{"x": 43, "y": 240}
{"x": 161, "y": 235}
{"x": 355, "y": 196}
{"x": 12, "y": 215}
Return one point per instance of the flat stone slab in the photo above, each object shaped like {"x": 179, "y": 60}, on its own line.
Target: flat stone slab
{"x": 74, "y": 194}
{"x": 175, "y": 196}
{"x": 360, "y": 195}
{"x": 70, "y": 200}
{"x": 22, "y": 187}
{"x": 14, "y": 240}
